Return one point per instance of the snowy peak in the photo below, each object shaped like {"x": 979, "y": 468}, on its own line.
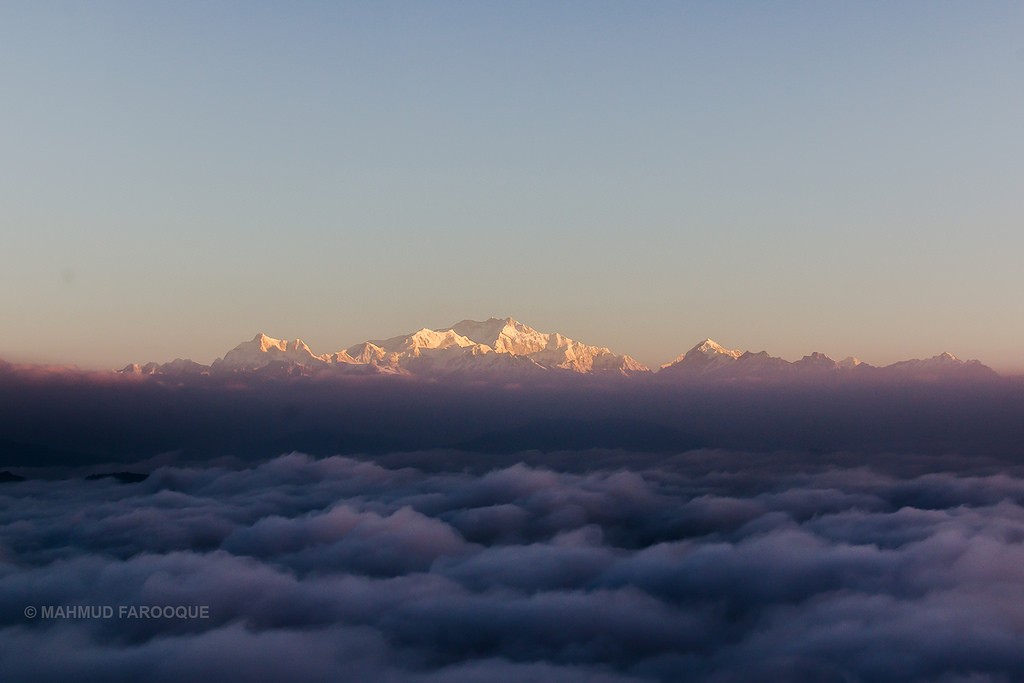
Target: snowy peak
{"x": 706, "y": 357}
{"x": 487, "y": 331}
{"x": 710, "y": 348}
{"x": 421, "y": 339}
{"x": 503, "y": 335}
{"x": 263, "y": 351}
{"x": 550, "y": 350}
{"x": 264, "y": 343}
{"x": 709, "y": 360}
{"x": 261, "y": 343}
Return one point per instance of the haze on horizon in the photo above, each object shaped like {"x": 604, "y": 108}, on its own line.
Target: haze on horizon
{"x": 789, "y": 177}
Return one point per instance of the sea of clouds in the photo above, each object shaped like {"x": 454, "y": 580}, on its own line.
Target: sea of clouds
{"x": 587, "y": 566}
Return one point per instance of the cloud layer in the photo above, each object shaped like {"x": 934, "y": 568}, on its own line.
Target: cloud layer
{"x": 595, "y": 566}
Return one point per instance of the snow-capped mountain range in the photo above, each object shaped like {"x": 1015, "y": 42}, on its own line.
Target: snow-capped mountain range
{"x": 495, "y": 346}
{"x": 507, "y": 348}
{"x": 710, "y": 361}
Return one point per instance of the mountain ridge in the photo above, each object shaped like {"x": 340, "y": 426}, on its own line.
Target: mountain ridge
{"x": 507, "y": 348}
{"x": 709, "y": 360}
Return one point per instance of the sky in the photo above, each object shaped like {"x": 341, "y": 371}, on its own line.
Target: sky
{"x": 786, "y": 176}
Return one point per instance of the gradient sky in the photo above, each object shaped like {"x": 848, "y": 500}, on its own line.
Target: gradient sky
{"x": 788, "y": 176}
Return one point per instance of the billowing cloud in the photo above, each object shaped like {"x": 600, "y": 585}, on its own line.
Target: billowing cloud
{"x": 607, "y": 566}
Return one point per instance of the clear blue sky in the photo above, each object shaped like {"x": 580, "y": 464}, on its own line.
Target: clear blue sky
{"x": 788, "y": 176}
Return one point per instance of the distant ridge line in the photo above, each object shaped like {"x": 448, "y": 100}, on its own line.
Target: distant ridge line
{"x": 504, "y": 348}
